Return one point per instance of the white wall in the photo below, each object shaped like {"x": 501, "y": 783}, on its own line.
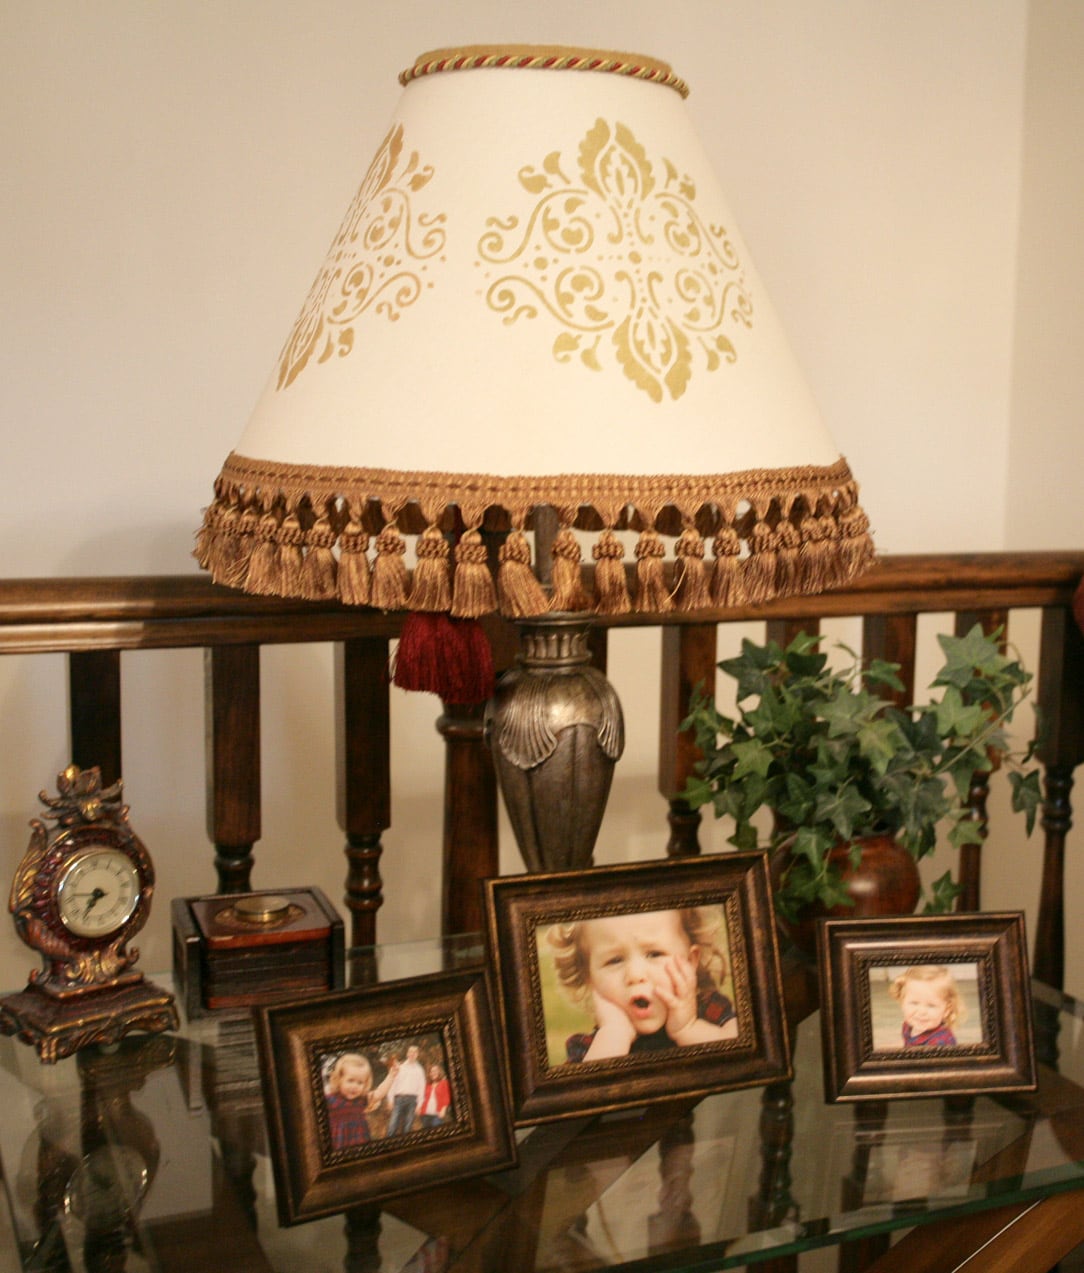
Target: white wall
{"x": 1047, "y": 405}
{"x": 174, "y": 173}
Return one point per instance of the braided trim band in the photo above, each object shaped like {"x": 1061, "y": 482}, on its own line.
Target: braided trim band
{"x": 537, "y": 57}
{"x": 473, "y": 493}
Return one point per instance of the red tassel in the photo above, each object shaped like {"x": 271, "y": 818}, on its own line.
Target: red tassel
{"x": 444, "y": 656}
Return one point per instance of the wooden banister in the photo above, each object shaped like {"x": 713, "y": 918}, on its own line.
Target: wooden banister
{"x": 94, "y": 620}
{"x": 162, "y": 611}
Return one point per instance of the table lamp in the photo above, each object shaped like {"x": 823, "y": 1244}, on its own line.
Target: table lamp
{"x": 538, "y": 336}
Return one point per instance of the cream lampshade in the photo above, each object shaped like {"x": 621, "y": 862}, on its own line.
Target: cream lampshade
{"x": 538, "y": 318}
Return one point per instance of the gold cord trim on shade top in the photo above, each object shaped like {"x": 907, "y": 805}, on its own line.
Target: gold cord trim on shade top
{"x": 540, "y": 57}
{"x": 273, "y": 529}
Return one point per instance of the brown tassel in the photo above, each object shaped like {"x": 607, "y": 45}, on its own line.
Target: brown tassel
{"x": 690, "y": 578}
{"x": 760, "y": 565}
{"x": 290, "y": 558}
{"x": 236, "y": 537}
{"x": 264, "y": 574}
{"x": 727, "y": 577}
{"x": 431, "y": 589}
{"x": 205, "y": 549}
{"x": 248, "y": 529}
{"x": 208, "y": 545}
{"x": 568, "y": 590}
{"x": 519, "y": 592}
{"x": 318, "y": 573}
{"x": 390, "y": 582}
{"x": 652, "y": 594}
{"x": 474, "y": 593}
{"x": 787, "y": 563}
{"x": 355, "y": 581}
{"x": 221, "y": 527}
{"x": 611, "y": 588}
{"x": 813, "y": 555}
{"x": 856, "y": 545}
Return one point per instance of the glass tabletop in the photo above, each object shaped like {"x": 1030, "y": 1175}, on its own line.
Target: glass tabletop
{"x": 153, "y": 1155}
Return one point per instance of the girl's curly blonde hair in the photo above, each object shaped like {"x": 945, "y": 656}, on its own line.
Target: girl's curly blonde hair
{"x": 344, "y": 1062}
{"x": 702, "y": 924}
{"x": 954, "y": 1008}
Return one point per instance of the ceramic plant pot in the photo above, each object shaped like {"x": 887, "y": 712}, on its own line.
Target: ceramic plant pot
{"x": 885, "y": 882}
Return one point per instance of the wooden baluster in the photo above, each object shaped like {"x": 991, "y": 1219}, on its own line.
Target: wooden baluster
{"x": 471, "y": 838}
{"x": 363, "y": 775}
{"x": 1061, "y": 716}
{"x": 94, "y": 711}
{"x": 783, "y": 631}
{"x": 892, "y": 637}
{"x": 860, "y": 1253}
{"x": 773, "y": 1204}
{"x": 232, "y": 711}
{"x": 598, "y": 642}
{"x": 688, "y": 662}
{"x": 970, "y": 869}
{"x": 674, "y": 1224}
{"x": 361, "y": 1227}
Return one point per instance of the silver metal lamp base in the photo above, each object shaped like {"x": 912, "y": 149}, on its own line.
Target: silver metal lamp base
{"x": 556, "y": 731}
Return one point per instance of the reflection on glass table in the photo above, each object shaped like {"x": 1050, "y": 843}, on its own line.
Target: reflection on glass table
{"x": 153, "y": 1157}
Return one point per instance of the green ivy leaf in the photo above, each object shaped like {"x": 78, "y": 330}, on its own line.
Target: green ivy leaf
{"x": 809, "y": 844}
{"x": 966, "y": 831}
{"x": 845, "y": 808}
{"x": 698, "y": 791}
{"x": 753, "y": 758}
{"x": 880, "y": 672}
{"x": 944, "y": 893}
{"x": 878, "y": 741}
{"x": 955, "y": 717}
{"x": 1027, "y": 795}
{"x": 966, "y": 655}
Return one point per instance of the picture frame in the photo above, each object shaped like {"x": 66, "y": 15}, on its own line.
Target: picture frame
{"x": 339, "y": 1128}
{"x": 936, "y": 1005}
{"x": 560, "y": 1060}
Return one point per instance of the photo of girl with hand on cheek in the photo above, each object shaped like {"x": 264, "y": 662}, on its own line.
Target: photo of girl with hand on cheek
{"x": 650, "y": 980}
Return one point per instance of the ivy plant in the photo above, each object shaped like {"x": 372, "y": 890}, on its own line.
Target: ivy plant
{"x": 834, "y": 759}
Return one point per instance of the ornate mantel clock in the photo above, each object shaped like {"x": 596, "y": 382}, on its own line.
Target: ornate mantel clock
{"x": 81, "y": 892}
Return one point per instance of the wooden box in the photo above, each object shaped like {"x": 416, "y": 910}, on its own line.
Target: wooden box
{"x": 231, "y": 951}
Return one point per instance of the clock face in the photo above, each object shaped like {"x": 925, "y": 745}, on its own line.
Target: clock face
{"x": 98, "y": 892}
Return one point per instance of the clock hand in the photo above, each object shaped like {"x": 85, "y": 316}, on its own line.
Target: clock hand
{"x": 95, "y": 897}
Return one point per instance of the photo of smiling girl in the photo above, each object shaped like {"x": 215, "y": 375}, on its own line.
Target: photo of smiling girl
{"x": 920, "y": 1006}
{"x": 649, "y": 980}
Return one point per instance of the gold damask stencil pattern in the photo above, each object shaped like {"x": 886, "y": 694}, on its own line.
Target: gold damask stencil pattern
{"x": 378, "y": 260}
{"x": 621, "y": 252}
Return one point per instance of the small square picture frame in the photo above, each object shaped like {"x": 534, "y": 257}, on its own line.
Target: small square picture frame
{"x": 935, "y": 1005}
{"x": 338, "y": 1074}
{"x": 540, "y": 928}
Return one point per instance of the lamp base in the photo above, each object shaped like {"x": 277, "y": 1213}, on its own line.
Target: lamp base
{"x": 556, "y": 731}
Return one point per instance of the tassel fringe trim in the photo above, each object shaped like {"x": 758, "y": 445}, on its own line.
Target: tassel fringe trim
{"x": 326, "y": 534}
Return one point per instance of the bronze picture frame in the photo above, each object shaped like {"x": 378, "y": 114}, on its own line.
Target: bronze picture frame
{"x": 936, "y": 1005}
{"x": 336, "y": 1092}
{"x": 553, "y": 940}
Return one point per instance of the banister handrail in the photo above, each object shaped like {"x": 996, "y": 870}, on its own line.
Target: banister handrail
{"x": 160, "y": 610}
